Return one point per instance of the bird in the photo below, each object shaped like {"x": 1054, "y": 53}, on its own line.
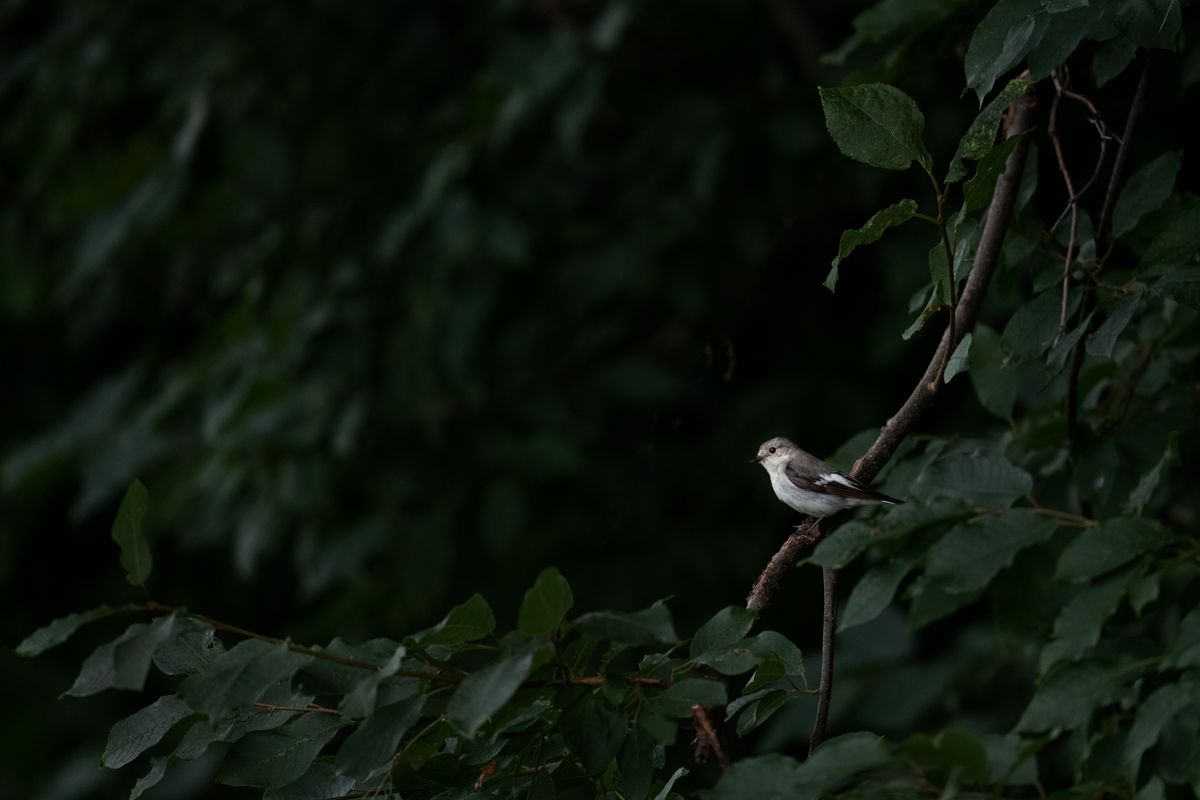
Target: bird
{"x": 807, "y": 484}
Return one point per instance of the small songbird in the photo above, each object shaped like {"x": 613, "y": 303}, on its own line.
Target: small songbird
{"x": 809, "y": 485}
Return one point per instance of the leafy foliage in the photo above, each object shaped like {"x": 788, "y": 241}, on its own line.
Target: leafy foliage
{"x": 1025, "y": 624}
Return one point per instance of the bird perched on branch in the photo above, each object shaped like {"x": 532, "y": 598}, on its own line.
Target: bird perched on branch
{"x": 809, "y": 485}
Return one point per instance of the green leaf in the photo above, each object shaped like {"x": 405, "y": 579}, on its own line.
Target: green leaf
{"x": 757, "y": 708}
{"x": 873, "y": 592}
{"x": 769, "y": 777}
{"x": 979, "y": 138}
{"x": 1144, "y": 490}
{"x": 981, "y": 479}
{"x": 124, "y": 662}
{"x": 372, "y": 745}
{"x": 1145, "y": 191}
{"x": 977, "y": 192}
{"x": 61, "y": 629}
{"x": 651, "y": 625}
{"x": 465, "y": 623}
{"x": 1180, "y": 285}
{"x": 958, "y": 359}
{"x": 319, "y": 782}
{"x": 731, "y": 660}
{"x": 1101, "y": 342}
{"x": 360, "y": 700}
{"x": 1155, "y": 711}
{"x": 1154, "y": 789}
{"x": 949, "y": 751}
{"x": 931, "y": 601}
{"x": 994, "y": 382}
{"x": 1118, "y": 541}
{"x": 840, "y": 758}
{"x": 874, "y": 228}
{"x": 1056, "y": 359}
{"x": 781, "y": 659}
{"x": 158, "y": 769}
{"x": 876, "y": 124}
{"x": 1184, "y": 648}
{"x": 128, "y": 533}
{"x": 636, "y": 764}
{"x": 1177, "y": 240}
{"x": 1066, "y": 700}
{"x": 678, "y": 699}
{"x": 240, "y": 676}
{"x": 232, "y": 726}
{"x": 1009, "y": 761}
{"x": 143, "y": 729}
{"x": 275, "y": 758}
{"x": 1063, "y": 33}
{"x": 844, "y": 545}
{"x": 193, "y": 645}
{"x": 1078, "y": 626}
{"x": 1009, "y": 31}
{"x": 727, "y": 627}
{"x": 1149, "y": 23}
{"x": 485, "y": 692}
{"x": 1112, "y": 58}
{"x": 546, "y": 604}
{"x": 594, "y": 732}
{"x": 1032, "y": 327}
{"x": 970, "y": 555}
{"x": 670, "y": 784}
{"x": 892, "y": 18}
{"x": 1143, "y": 591}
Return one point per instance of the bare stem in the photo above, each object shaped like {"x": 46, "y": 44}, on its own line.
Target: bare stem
{"x": 951, "y": 287}
{"x": 1103, "y": 240}
{"x": 828, "y": 631}
{"x": 428, "y": 675}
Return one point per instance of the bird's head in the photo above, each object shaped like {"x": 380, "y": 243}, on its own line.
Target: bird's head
{"x": 775, "y": 451}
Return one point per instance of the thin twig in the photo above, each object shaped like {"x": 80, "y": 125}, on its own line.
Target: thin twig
{"x": 828, "y": 631}
{"x": 271, "y": 708}
{"x": 1117, "y": 178}
{"x": 1073, "y": 200}
{"x": 1103, "y": 242}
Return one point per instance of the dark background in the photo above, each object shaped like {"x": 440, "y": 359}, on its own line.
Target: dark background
{"x": 390, "y": 303}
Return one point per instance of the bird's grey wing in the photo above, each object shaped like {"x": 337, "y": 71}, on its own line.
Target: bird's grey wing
{"x": 834, "y": 483}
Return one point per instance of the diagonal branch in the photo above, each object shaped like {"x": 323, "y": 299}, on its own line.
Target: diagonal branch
{"x": 995, "y": 226}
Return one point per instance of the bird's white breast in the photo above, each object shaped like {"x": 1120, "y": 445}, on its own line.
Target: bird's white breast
{"x": 813, "y": 504}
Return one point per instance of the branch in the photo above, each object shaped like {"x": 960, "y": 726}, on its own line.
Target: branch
{"x": 425, "y": 675}
{"x": 995, "y": 226}
{"x": 1103, "y": 241}
{"x": 1115, "y": 181}
{"x": 1072, "y": 202}
{"x": 828, "y": 629}
{"x": 707, "y": 742}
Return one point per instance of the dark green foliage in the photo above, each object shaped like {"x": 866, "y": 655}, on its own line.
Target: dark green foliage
{"x": 519, "y": 712}
{"x": 418, "y": 334}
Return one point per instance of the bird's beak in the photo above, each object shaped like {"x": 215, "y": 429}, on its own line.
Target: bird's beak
{"x": 756, "y": 460}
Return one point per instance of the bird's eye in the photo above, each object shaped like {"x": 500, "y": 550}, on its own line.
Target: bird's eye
{"x": 770, "y": 449}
